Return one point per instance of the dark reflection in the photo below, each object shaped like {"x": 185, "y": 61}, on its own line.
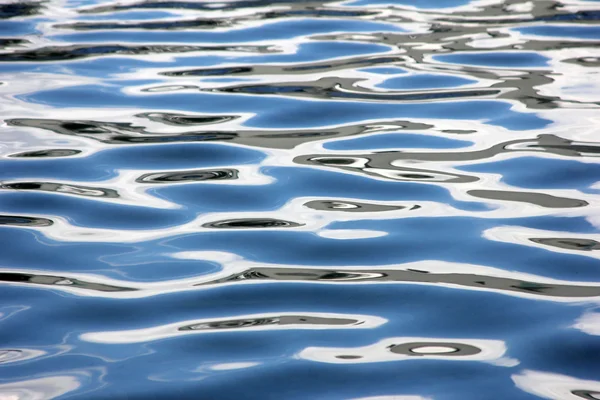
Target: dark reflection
{"x": 353, "y": 206}
{"x": 187, "y": 5}
{"x": 335, "y": 161}
{"x": 231, "y": 324}
{"x": 555, "y": 145}
{"x": 16, "y": 8}
{"x": 10, "y": 42}
{"x": 571, "y": 149}
{"x": 375, "y": 275}
{"x": 251, "y": 223}
{"x": 185, "y": 137}
{"x": 204, "y": 23}
{"x": 107, "y": 132}
{"x": 127, "y": 133}
{"x": 74, "y": 52}
{"x": 448, "y": 349}
{"x": 381, "y": 165}
{"x": 539, "y": 199}
{"x": 569, "y": 243}
{"x": 592, "y": 62}
{"x": 62, "y": 188}
{"x": 458, "y": 131}
{"x": 542, "y": 143}
{"x": 24, "y": 221}
{"x": 296, "y": 69}
{"x": 346, "y": 89}
{"x": 543, "y": 11}
{"x": 51, "y": 153}
{"x": 586, "y": 394}
{"x": 310, "y": 12}
{"x": 209, "y": 72}
{"x": 148, "y": 25}
{"x": 124, "y": 133}
{"x": 189, "y": 176}
{"x": 186, "y": 120}
{"x": 279, "y": 320}
{"x": 35, "y": 279}
{"x": 455, "y": 32}
{"x": 348, "y": 357}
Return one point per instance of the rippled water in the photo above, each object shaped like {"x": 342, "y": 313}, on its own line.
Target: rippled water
{"x": 279, "y": 199}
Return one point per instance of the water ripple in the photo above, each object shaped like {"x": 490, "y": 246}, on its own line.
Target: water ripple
{"x": 256, "y": 199}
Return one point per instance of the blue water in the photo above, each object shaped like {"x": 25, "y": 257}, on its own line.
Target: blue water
{"x": 279, "y": 199}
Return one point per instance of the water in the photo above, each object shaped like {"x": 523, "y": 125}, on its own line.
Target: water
{"x": 279, "y": 199}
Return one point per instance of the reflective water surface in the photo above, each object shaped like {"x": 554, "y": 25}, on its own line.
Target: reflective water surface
{"x": 285, "y": 199}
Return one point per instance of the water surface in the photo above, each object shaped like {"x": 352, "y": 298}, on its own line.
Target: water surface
{"x": 279, "y": 199}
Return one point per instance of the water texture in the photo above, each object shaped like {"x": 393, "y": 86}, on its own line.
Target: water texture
{"x": 280, "y": 199}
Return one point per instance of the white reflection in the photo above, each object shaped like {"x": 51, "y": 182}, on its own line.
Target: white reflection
{"x": 39, "y": 389}
{"x": 576, "y": 86}
{"x": 589, "y": 323}
{"x": 525, "y": 7}
{"x": 490, "y": 43}
{"x": 556, "y": 387}
{"x": 231, "y": 366}
{"x": 17, "y": 355}
{"x": 253, "y": 322}
{"x": 343, "y": 234}
{"x": 430, "y": 7}
{"x": 9, "y": 311}
{"x": 408, "y": 348}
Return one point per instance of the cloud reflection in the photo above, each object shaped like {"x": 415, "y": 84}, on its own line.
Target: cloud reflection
{"x": 413, "y": 348}
{"x": 556, "y": 386}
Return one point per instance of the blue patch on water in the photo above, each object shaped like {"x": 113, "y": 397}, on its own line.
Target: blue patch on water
{"x": 425, "y": 81}
{"x": 127, "y": 15}
{"x": 541, "y": 173}
{"x": 496, "y": 59}
{"x": 18, "y": 28}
